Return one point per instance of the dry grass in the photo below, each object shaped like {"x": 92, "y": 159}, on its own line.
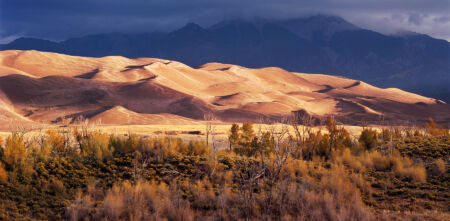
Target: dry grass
{"x": 152, "y": 177}
{"x": 404, "y": 167}
{"x": 400, "y": 166}
{"x": 330, "y": 198}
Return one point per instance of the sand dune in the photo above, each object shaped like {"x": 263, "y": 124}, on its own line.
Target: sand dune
{"x": 345, "y": 85}
{"x": 121, "y": 116}
{"x": 9, "y": 118}
{"x": 50, "y": 87}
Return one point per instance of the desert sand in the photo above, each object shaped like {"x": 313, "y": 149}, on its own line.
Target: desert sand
{"x": 50, "y": 88}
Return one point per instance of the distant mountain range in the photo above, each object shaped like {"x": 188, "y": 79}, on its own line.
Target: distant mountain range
{"x": 317, "y": 44}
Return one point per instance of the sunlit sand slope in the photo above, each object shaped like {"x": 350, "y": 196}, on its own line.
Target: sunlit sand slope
{"x": 53, "y": 88}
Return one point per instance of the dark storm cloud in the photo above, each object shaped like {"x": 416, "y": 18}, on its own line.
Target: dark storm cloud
{"x": 59, "y": 19}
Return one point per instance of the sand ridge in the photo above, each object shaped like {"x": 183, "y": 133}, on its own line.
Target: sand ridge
{"x": 152, "y": 91}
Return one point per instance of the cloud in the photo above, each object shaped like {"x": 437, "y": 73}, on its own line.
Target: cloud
{"x": 415, "y": 18}
{"x": 10, "y": 38}
{"x": 442, "y": 19}
{"x": 58, "y": 19}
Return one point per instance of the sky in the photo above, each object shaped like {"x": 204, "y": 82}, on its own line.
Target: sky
{"x": 62, "y": 19}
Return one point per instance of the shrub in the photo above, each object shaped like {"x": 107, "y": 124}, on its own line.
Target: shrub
{"x": 376, "y": 160}
{"x": 166, "y": 178}
{"x": 403, "y": 167}
{"x": 368, "y": 138}
{"x": 55, "y": 140}
{"x": 15, "y": 152}
{"x": 96, "y": 144}
{"x": 247, "y": 133}
{"x": 234, "y": 136}
{"x": 197, "y": 148}
{"x": 3, "y": 174}
{"x": 347, "y": 158}
{"x": 81, "y": 207}
{"x": 248, "y": 142}
{"x": 434, "y": 130}
{"x": 42, "y": 152}
{"x": 338, "y": 135}
{"x": 295, "y": 168}
{"x": 126, "y": 144}
{"x": 438, "y": 167}
{"x": 158, "y": 149}
{"x": 142, "y": 201}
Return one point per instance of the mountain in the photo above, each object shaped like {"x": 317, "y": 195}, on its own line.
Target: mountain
{"x": 317, "y": 44}
{"x": 51, "y": 88}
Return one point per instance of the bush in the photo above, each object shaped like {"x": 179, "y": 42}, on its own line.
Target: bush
{"x": 234, "y": 135}
{"x": 3, "y": 174}
{"x": 139, "y": 178}
{"x": 96, "y": 144}
{"x": 141, "y": 201}
{"x": 15, "y": 152}
{"x": 376, "y": 160}
{"x": 197, "y": 148}
{"x": 434, "y": 130}
{"x": 247, "y": 141}
{"x": 126, "y": 144}
{"x": 56, "y": 141}
{"x": 157, "y": 149}
{"x": 404, "y": 168}
{"x": 368, "y": 138}
{"x": 438, "y": 167}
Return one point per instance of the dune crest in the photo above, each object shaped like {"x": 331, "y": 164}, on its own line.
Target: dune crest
{"x": 41, "y": 86}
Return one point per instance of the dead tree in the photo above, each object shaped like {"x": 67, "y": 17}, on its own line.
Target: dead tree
{"x": 210, "y": 131}
{"x": 278, "y": 134}
{"x": 208, "y": 118}
{"x": 301, "y": 125}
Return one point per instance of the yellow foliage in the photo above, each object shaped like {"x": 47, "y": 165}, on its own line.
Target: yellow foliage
{"x": 295, "y": 168}
{"x": 15, "y": 150}
{"x": 55, "y": 140}
{"x": 96, "y": 144}
{"x": 434, "y": 129}
{"x": 3, "y": 174}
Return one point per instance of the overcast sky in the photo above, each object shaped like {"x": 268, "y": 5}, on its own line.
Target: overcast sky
{"x": 61, "y": 19}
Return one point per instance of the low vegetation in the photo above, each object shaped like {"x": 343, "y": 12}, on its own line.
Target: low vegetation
{"x": 282, "y": 172}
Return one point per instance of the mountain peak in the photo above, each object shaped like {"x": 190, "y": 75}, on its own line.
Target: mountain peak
{"x": 190, "y": 29}
{"x": 192, "y": 26}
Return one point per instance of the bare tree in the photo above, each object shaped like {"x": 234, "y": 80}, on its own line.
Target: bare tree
{"x": 208, "y": 118}
{"x": 301, "y": 125}
{"x": 19, "y": 128}
{"x": 281, "y": 148}
{"x": 210, "y": 131}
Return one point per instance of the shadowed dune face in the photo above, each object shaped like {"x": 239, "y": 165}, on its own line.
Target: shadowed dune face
{"x": 47, "y": 87}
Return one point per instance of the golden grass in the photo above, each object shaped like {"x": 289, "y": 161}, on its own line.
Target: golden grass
{"x": 181, "y": 131}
